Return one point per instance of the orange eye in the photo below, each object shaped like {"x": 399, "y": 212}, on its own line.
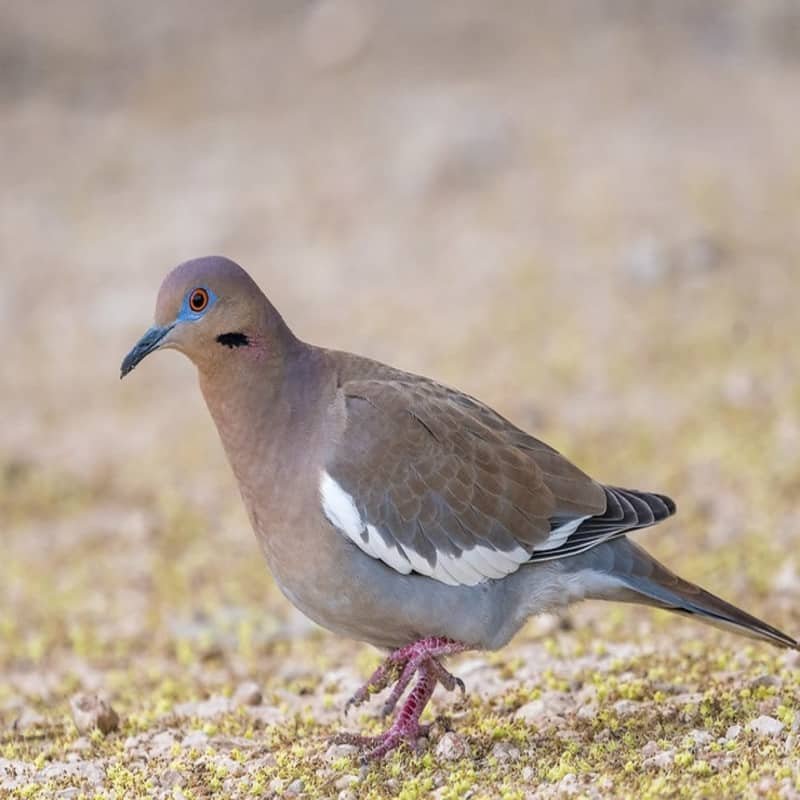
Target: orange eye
{"x": 198, "y": 300}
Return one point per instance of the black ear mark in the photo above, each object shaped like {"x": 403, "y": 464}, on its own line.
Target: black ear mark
{"x": 233, "y": 340}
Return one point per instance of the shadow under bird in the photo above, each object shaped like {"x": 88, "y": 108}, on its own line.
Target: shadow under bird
{"x": 400, "y": 512}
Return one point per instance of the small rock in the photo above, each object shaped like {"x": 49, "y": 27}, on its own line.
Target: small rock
{"x": 626, "y": 708}
{"x": 587, "y": 713}
{"x": 650, "y": 749}
{"x": 546, "y": 709}
{"x": 67, "y": 794}
{"x": 162, "y": 742}
{"x": 504, "y": 752}
{"x": 297, "y": 786}
{"x": 347, "y": 794}
{"x": 527, "y": 774}
{"x": 247, "y": 694}
{"x": 568, "y": 785}
{"x": 451, "y": 747}
{"x": 230, "y": 766}
{"x": 204, "y": 709}
{"x": 732, "y": 732}
{"x": 765, "y": 680}
{"x": 91, "y": 712}
{"x": 661, "y": 760}
{"x": 766, "y": 726}
{"x": 700, "y": 738}
{"x": 171, "y": 779}
{"x": 196, "y": 740}
{"x": 337, "y": 751}
{"x": 346, "y": 781}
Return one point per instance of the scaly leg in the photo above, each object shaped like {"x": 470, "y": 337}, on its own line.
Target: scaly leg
{"x": 422, "y": 658}
{"x": 405, "y": 728}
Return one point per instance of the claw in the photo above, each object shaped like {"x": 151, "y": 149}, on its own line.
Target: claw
{"x": 420, "y": 658}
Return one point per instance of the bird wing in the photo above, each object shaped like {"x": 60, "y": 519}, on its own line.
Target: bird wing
{"x": 430, "y": 480}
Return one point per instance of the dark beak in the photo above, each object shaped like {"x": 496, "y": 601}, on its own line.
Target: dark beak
{"x": 151, "y": 340}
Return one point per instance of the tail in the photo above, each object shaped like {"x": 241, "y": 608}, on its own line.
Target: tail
{"x": 632, "y": 575}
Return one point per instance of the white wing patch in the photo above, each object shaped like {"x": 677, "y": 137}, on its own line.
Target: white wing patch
{"x": 560, "y": 534}
{"x": 468, "y": 569}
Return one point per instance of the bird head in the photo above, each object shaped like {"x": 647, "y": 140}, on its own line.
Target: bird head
{"x": 207, "y": 309}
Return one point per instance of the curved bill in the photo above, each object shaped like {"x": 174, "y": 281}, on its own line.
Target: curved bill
{"x": 151, "y": 340}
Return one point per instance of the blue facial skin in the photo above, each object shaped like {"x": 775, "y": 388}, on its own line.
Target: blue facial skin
{"x": 154, "y": 337}
{"x": 186, "y": 314}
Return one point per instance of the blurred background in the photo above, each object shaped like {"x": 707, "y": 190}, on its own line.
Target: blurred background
{"x": 585, "y": 213}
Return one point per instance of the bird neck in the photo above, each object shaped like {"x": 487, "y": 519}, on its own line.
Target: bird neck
{"x": 265, "y": 412}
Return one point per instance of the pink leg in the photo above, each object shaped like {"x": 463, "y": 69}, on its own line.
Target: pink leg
{"x": 440, "y": 674}
{"x": 405, "y": 728}
{"x": 400, "y": 666}
{"x": 397, "y": 663}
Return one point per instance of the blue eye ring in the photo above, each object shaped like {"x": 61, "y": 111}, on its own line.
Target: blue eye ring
{"x": 195, "y": 303}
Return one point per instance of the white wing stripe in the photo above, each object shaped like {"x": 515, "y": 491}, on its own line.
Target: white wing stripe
{"x": 470, "y": 568}
{"x": 560, "y": 534}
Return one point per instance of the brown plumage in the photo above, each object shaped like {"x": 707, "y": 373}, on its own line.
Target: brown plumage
{"x": 396, "y": 510}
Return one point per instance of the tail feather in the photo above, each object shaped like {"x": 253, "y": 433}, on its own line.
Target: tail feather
{"x": 639, "y": 578}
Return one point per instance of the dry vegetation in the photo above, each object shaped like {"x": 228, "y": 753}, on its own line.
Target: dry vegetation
{"x": 587, "y": 217}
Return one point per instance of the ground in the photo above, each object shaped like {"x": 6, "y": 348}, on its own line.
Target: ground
{"x": 585, "y": 214}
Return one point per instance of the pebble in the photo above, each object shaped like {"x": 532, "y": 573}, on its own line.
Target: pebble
{"x": 248, "y": 694}
{"x": 171, "y": 779}
{"x": 231, "y": 766}
{"x": 546, "y": 709}
{"x": 766, "y": 726}
{"x": 733, "y": 732}
{"x": 650, "y": 749}
{"x": 452, "y": 747}
{"x": 504, "y": 752}
{"x": 626, "y": 708}
{"x": 765, "y": 680}
{"x": 346, "y": 781}
{"x": 204, "y": 709}
{"x": 196, "y": 740}
{"x": 91, "y": 712}
{"x": 297, "y": 786}
{"x": 162, "y": 742}
{"x": 337, "y": 751}
{"x": 700, "y": 738}
{"x": 568, "y": 785}
{"x": 661, "y": 760}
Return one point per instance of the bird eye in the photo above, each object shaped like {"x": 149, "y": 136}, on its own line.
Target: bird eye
{"x": 198, "y": 300}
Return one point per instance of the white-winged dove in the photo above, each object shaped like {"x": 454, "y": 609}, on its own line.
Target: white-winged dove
{"x": 400, "y": 512}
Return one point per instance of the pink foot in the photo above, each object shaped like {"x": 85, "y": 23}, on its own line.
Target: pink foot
{"x": 420, "y": 658}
